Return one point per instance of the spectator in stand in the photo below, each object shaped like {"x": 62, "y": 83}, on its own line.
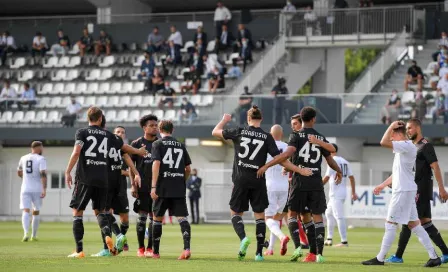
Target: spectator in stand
{"x": 7, "y": 96}
{"x": 441, "y": 57}
{"x": 28, "y": 97}
{"x": 414, "y": 75}
{"x": 211, "y": 62}
{"x": 85, "y": 43}
{"x": 225, "y": 40}
{"x": 63, "y": 45}
{"x": 391, "y": 109}
{"x": 168, "y": 94}
{"x": 444, "y": 68}
{"x": 419, "y": 109}
{"x": 289, "y": 7}
{"x": 310, "y": 16}
{"x": 157, "y": 81}
{"x": 200, "y": 35}
{"x": 147, "y": 67}
{"x": 443, "y": 42}
{"x": 439, "y": 106}
{"x": 173, "y": 54}
{"x": 245, "y": 53}
{"x": 200, "y": 47}
{"x": 279, "y": 91}
{"x": 155, "y": 41}
{"x": 222, "y": 17}
{"x": 39, "y": 45}
{"x": 235, "y": 71}
{"x": 442, "y": 86}
{"x": 175, "y": 37}
{"x": 7, "y": 45}
{"x": 245, "y": 103}
{"x": 216, "y": 81}
{"x": 192, "y": 79}
{"x": 196, "y": 61}
{"x": 103, "y": 44}
{"x": 243, "y": 32}
{"x": 72, "y": 111}
{"x": 187, "y": 112}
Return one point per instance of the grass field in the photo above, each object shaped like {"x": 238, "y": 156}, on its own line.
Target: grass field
{"x": 214, "y": 248}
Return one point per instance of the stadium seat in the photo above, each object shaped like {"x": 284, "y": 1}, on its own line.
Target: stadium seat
{"x": 59, "y": 75}
{"x": 63, "y": 62}
{"x": 15, "y": 86}
{"x": 93, "y": 74}
{"x": 51, "y": 62}
{"x": 170, "y": 115}
{"x": 58, "y": 88}
{"x": 81, "y": 99}
{"x": 101, "y": 101}
{"x": 135, "y": 101}
{"x": 18, "y": 63}
{"x": 7, "y": 115}
{"x": 114, "y": 88}
{"x": 52, "y": 117}
{"x": 175, "y": 85}
{"x": 43, "y": 102}
{"x": 113, "y": 101}
{"x": 122, "y": 116}
{"x": 81, "y": 88}
{"x": 137, "y": 87}
{"x": 146, "y": 101}
{"x": 430, "y": 68}
{"x": 232, "y": 56}
{"x": 103, "y": 88}
{"x": 111, "y": 115}
{"x": 159, "y": 114}
{"x": 126, "y": 87}
{"x": 407, "y": 97}
{"x": 159, "y": 61}
{"x": 74, "y": 61}
{"x": 46, "y": 89}
{"x": 186, "y": 46}
{"x": 211, "y": 46}
{"x": 72, "y": 75}
{"x": 69, "y": 88}
{"x": 40, "y": 117}
{"x": 195, "y": 100}
{"x": 134, "y": 74}
{"x": 25, "y": 76}
{"x": 65, "y": 102}
{"x": 154, "y": 102}
{"x": 16, "y": 118}
{"x": 106, "y": 74}
{"x": 145, "y": 112}
{"x": 107, "y": 61}
{"x": 92, "y": 101}
{"x": 91, "y": 88}
{"x": 138, "y": 61}
{"x": 207, "y": 100}
{"x": 134, "y": 116}
{"x": 29, "y": 116}
{"x": 124, "y": 101}
{"x": 180, "y": 76}
{"x": 75, "y": 49}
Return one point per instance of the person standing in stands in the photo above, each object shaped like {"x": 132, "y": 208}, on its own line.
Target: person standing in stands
{"x": 222, "y": 17}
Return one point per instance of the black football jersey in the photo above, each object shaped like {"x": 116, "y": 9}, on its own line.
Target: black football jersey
{"x": 426, "y": 155}
{"x": 173, "y": 157}
{"x": 144, "y": 164}
{"x": 310, "y": 156}
{"x": 93, "y": 164}
{"x": 252, "y": 146}
{"x": 115, "y": 162}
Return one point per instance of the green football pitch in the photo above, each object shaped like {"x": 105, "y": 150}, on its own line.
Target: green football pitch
{"x": 214, "y": 248}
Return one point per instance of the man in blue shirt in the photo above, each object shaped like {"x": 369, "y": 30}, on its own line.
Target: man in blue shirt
{"x": 28, "y": 97}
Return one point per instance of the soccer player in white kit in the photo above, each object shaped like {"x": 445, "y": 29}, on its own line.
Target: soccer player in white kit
{"x": 338, "y": 193}
{"x": 33, "y": 171}
{"x": 277, "y": 186}
{"x": 402, "y": 207}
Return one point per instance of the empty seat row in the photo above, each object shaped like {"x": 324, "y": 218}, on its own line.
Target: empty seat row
{"x": 91, "y": 88}
{"x": 20, "y": 117}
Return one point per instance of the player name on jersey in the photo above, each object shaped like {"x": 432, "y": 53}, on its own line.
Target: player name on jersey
{"x": 252, "y": 133}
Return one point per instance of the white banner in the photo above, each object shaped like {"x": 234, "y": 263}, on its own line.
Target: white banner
{"x": 370, "y": 206}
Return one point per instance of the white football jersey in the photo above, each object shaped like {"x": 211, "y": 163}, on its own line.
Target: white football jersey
{"x": 402, "y": 169}
{"x": 31, "y": 165}
{"x": 339, "y": 191}
{"x": 275, "y": 181}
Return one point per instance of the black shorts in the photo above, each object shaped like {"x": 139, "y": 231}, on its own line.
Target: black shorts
{"x": 175, "y": 206}
{"x": 83, "y": 193}
{"x": 117, "y": 201}
{"x": 307, "y": 202}
{"x": 243, "y": 195}
{"x": 423, "y": 207}
{"x": 143, "y": 202}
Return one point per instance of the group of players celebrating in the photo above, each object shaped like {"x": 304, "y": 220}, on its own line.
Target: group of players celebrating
{"x": 159, "y": 168}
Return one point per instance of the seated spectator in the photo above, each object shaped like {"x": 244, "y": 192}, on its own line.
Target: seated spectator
{"x": 243, "y": 32}
{"x": 210, "y": 63}
{"x": 7, "y": 45}
{"x": 414, "y": 75}
{"x": 224, "y": 41}
{"x": 168, "y": 95}
{"x": 443, "y": 42}
{"x": 216, "y": 81}
{"x": 222, "y": 17}
{"x": 175, "y": 37}
{"x": 7, "y": 96}
{"x": 235, "y": 71}
{"x": 28, "y": 97}
{"x": 200, "y": 34}
{"x": 173, "y": 54}
{"x": 196, "y": 60}
{"x": 443, "y": 68}
{"x": 439, "y": 106}
{"x": 103, "y": 44}
{"x": 391, "y": 109}
{"x": 155, "y": 41}
{"x": 72, "y": 111}
{"x": 310, "y": 16}
{"x": 200, "y": 47}
{"x": 441, "y": 57}
{"x": 147, "y": 67}
{"x": 192, "y": 80}
{"x": 63, "y": 45}
{"x": 245, "y": 103}
{"x": 187, "y": 112}
{"x": 85, "y": 43}
{"x": 157, "y": 81}
{"x": 289, "y": 7}
{"x": 39, "y": 45}
{"x": 419, "y": 108}
{"x": 245, "y": 53}
{"x": 442, "y": 86}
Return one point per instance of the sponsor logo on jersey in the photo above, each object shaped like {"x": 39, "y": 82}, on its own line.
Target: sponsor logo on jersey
{"x": 172, "y": 175}
{"x": 247, "y": 165}
{"x": 92, "y": 162}
{"x": 116, "y": 167}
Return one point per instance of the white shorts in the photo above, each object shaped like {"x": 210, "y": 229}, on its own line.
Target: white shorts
{"x": 277, "y": 202}
{"x": 28, "y": 199}
{"x": 402, "y": 208}
{"x": 336, "y": 208}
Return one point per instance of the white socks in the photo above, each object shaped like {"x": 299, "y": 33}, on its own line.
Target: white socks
{"x": 25, "y": 222}
{"x": 272, "y": 239}
{"x": 331, "y": 222}
{"x": 36, "y": 220}
{"x": 388, "y": 239}
{"x": 342, "y": 227}
{"x": 274, "y": 227}
{"x": 424, "y": 239}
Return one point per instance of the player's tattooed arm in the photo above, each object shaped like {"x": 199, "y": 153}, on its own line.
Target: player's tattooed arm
{"x": 43, "y": 179}
{"x": 383, "y": 185}
{"x": 217, "y": 131}
{"x": 136, "y": 180}
{"x": 438, "y": 175}
{"x": 71, "y": 163}
{"x": 334, "y": 165}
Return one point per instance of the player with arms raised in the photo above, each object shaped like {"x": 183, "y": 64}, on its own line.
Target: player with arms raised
{"x": 170, "y": 170}
{"x": 252, "y": 146}
{"x": 402, "y": 208}
{"x": 307, "y": 147}
{"x": 34, "y": 187}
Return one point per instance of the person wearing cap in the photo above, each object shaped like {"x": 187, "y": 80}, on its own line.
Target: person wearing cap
{"x": 335, "y": 207}
{"x": 73, "y": 109}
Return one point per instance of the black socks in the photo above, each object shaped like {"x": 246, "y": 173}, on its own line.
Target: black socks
{"x": 141, "y": 228}
{"x": 294, "y": 231}
{"x": 260, "y": 232}
{"x": 78, "y": 232}
{"x": 157, "y": 235}
{"x": 185, "y": 228}
{"x": 238, "y": 226}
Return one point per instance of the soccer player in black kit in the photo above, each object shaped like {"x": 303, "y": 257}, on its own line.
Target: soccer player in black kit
{"x": 307, "y": 193}
{"x": 91, "y": 152}
{"x": 425, "y": 163}
{"x": 143, "y": 202}
{"x": 252, "y": 146}
{"x": 170, "y": 171}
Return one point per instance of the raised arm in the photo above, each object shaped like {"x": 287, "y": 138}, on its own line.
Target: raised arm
{"x": 386, "y": 141}
{"x": 217, "y": 131}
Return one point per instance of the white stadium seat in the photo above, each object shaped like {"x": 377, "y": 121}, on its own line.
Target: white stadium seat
{"x": 154, "y": 102}
{"x": 122, "y": 116}
{"x": 134, "y": 116}
{"x": 126, "y": 88}
{"x": 211, "y": 46}
{"x": 18, "y": 63}
{"x": 46, "y": 88}
{"x": 181, "y": 75}
{"x": 16, "y": 118}
{"x": 134, "y": 74}
{"x": 124, "y": 101}
{"x": 58, "y": 88}
{"x": 170, "y": 115}
{"x": 135, "y": 101}
{"x": 207, "y": 100}
{"x": 186, "y": 46}
{"x": 232, "y": 56}
{"x": 72, "y": 74}
{"x": 93, "y": 74}
{"x": 63, "y": 62}
{"x": 43, "y": 102}
{"x": 159, "y": 114}
{"x": 138, "y": 87}
{"x": 146, "y": 101}
{"x": 175, "y": 85}
{"x": 102, "y": 101}
{"x": 7, "y": 115}
{"x": 107, "y": 61}
{"x": 66, "y": 101}
{"x": 26, "y": 75}
{"x": 53, "y": 117}
{"x": 51, "y": 62}
{"x": 113, "y": 101}
{"x": 103, "y": 88}
{"x": 111, "y": 115}
{"x": 74, "y": 61}
{"x": 40, "y": 117}
{"x": 195, "y": 100}
{"x": 59, "y": 75}
{"x": 75, "y": 49}
{"x": 114, "y": 88}
{"x": 106, "y": 74}
{"x": 69, "y": 88}
{"x": 54, "y": 102}
{"x": 29, "y": 116}
{"x": 15, "y": 86}
{"x": 145, "y": 112}
{"x": 91, "y": 101}
{"x": 81, "y": 88}
{"x": 138, "y": 61}
{"x": 92, "y": 88}
{"x": 407, "y": 97}
{"x": 81, "y": 99}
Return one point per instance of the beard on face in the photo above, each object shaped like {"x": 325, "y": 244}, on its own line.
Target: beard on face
{"x": 412, "y": 137}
